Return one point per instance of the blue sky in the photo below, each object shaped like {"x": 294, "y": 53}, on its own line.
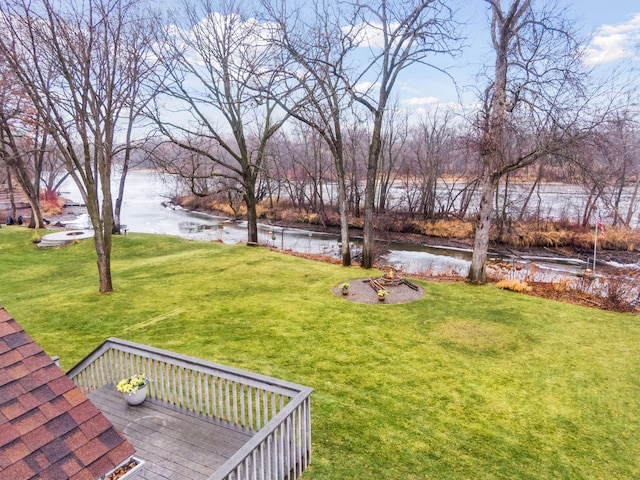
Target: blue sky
{"x": 612, "y": 25}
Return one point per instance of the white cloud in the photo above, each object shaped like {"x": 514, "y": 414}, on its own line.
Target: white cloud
{"x": 420, "y": 101}
{"x": 369, "y": 35}
{"x": 612, "y": 43}
{"x": 365, "y": 87}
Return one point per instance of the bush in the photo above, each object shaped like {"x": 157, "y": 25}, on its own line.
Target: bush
{"x": 51, "y": 203}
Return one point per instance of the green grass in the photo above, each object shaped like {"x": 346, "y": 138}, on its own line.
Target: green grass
{"x": 467, "y": 383}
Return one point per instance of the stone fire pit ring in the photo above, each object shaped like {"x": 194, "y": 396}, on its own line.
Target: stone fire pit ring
{"x": 360, "y": 291}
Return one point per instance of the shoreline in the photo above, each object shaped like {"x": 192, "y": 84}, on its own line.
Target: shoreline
{"x": 623, "y": 258}
{"x": 611, "y": 259}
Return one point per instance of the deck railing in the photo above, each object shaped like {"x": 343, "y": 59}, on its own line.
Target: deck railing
{"x": 278, "y": 412}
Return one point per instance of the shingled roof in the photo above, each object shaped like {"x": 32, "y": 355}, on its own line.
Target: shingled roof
{"x": 49, "y": 430}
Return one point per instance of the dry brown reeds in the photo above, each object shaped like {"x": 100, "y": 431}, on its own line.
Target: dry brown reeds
{"x": 448, "y": 228}
{"x": 520, "y": 234}
{"x": 559, "y": 234}
{"x": 514, "y": 285}
{"x": 615, "y": 238}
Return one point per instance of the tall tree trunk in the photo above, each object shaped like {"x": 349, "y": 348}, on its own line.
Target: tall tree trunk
{"x": 345, "y": 249}
{"x": 368, "y": 230}
{"x": 252, "y": 215}
{"x": 36, "y": 221}
{"x": 103, "y": 249}
{"x": 117, "y": 209}
{"x": 125, "y": 170}
{"x": 102, "y": 222}
{"x": 618, "y": 197}
{"x": 368, "y": 234}
{"x": 478, "y": 270}
{"x": 503, "y": 216}
{"x": 12, "y": 199}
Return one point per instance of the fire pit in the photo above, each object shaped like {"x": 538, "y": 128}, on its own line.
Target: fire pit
{"x": 390, "y": 279}
{"x": 366, "y": 290}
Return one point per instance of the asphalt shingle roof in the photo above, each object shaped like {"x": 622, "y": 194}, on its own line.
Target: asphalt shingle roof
{"x": 49, "y": 430}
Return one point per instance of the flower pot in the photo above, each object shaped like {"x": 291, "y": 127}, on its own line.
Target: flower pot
{"x": 126, "y": 470}
{"x": 137, "y": 397}
{"x": 345, "y": 291}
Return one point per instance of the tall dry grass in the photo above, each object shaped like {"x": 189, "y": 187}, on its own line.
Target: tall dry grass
{"x": 521, "y": 234}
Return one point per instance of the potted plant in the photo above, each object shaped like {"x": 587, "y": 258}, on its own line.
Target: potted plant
{"x": 344, "y": 288}
{"x": 382, "y": 294}
{"x": 134, "y": 388}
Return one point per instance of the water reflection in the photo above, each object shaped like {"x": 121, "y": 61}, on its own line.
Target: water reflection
{"x": 205, "y": 227}
{"x": 409, "y": 258}
{"x": 420, "y": 262}
{"x": 145, "y": 210}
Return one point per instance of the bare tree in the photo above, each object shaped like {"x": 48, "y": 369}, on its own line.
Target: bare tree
{"x": 137, "y": 64}
{"x": 398, "y": 35}
{"x": 318, "y": 51}
{"x": 531, "y": 104}
{"x": 356, "y": 142}
{"x": 23, "y": 142}
{"x": 394, "y": 140}
{"x": 432, "y": 146}
{"x": 311, "y": 170}
{"x": 328, "y": 49}
{"x": 216, "y": 61}
{"x": 71, "y": 59}
{"x": 605, "y": 166}
{"x": 622, "y": 161}
{"x": 300, "y": 168}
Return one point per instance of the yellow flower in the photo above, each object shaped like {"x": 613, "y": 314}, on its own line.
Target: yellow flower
{"x": 132, "y": 384}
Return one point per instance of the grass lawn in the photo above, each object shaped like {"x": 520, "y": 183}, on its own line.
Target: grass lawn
{"x": 467, "y": 383}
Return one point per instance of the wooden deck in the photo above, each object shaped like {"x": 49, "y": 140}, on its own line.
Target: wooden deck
{"x": 202, "y": 420}
{"x": 174, "y": 442}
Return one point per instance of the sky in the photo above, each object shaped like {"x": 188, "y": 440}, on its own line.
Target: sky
{"x": 612, "y": 25}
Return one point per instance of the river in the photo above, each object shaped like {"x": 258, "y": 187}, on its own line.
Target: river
{"x": 144, "y": 210}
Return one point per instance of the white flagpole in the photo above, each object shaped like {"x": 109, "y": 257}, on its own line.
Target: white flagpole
{"x": 595, "y": 244}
